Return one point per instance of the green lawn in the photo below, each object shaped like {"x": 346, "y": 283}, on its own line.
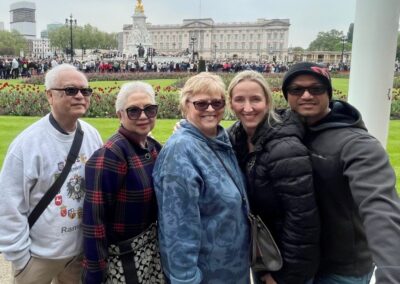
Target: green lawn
{"x": 341, "y": 84}
{"x": 393, "y": 148}
{"x": 11, "y": 126}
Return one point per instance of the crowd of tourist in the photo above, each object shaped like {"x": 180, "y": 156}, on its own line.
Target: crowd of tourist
{"x": 15, "y": 67}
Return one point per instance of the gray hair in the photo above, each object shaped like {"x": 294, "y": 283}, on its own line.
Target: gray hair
{"x": 131, "y": 88}
{"x": 53, "y": 75}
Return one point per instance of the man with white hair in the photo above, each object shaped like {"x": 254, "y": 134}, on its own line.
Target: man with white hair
{"x": 50, "y": 249}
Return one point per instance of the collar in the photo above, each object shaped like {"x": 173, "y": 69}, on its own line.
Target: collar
{"x": 55, "y": 124}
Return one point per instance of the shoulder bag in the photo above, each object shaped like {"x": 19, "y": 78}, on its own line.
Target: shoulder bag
{"x": 136, "y": 260}
{"x": 55, "y": 187}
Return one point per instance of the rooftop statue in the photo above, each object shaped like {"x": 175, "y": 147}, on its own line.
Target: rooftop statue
{"x": 139, "y": 6}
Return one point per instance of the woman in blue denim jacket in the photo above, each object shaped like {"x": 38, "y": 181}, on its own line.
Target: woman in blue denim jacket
{"x": 203, "y": 225}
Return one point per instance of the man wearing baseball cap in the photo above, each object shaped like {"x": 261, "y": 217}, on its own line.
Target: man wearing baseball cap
{"x": 353, "y": 180}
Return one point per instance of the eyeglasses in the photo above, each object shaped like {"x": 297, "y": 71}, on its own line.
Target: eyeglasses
{"x": 135, "y": 112}
{"x": 73, "y": 91}
{"x": 313, "y": 90}
{"x": 203, "y": 105}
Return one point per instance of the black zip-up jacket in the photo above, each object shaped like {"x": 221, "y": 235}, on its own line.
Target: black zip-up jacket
{"x": 356, "y": 195}
{"x": 280, "y": 191}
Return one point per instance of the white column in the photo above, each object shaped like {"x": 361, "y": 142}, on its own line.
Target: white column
{"x": 372, "y": 64}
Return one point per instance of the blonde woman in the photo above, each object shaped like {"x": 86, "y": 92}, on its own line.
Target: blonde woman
{"x": 203, "y": 226}
{"x": 270, "y": 152}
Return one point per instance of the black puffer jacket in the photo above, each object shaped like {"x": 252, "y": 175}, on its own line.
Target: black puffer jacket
{"x": 280, "y": 190}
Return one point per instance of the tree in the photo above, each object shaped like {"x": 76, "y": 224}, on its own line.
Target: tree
{"x": 350, "y": 33}
{"x": 297, "y": 49}
{"x": 297, "y": 53}
{"x": 329, "y": 41}
{"x": 60, "y": 38}
{"x": 11, "y": 43}
{"x": 86, "y": 37}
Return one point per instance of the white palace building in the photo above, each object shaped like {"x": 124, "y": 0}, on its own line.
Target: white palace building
{"x": 263, "y": 39}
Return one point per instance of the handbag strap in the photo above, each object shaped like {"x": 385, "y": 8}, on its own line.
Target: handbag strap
{"x": 254, "y": 231}
{"x": 55, "y": 187}
{"x": 125, "y": 247}
{"x": 243, "y": 194}
{"x": 226, "y": 169}
{"x": 250, "y": 216}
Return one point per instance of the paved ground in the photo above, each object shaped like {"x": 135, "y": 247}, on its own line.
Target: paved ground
{"x": 5, "y": 271}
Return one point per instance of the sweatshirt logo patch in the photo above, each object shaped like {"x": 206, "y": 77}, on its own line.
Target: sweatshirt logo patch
{"x": 60, "y": 166}
{"x": 58, "y": 200}
{"x": 80, "y": 213}
{"x": 71, "y": 213}
{"x": 76, "y": 188}
{"x": 82, "y": 158}
{"x": 63, "y": 211}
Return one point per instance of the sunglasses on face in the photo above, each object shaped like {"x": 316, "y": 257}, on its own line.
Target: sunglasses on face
{"x": 73, "y": 91}
{"x": 313, "y": 90}
{"x": 203, "y": 105}
{"x": 135, "y": 112}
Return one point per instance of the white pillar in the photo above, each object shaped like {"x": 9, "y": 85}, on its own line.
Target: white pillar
{"x": 372, "y": 64}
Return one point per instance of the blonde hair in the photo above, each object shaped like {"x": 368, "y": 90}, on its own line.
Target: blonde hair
{"x": 204, "y": 83}
{"x": 253, "y": 76}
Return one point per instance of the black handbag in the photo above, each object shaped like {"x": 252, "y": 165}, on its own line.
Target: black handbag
{"x": 136, "y": 260}
{"x": 264, "y": 254}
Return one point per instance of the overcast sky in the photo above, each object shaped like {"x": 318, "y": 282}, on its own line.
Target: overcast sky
{"x": 307, "y": 17}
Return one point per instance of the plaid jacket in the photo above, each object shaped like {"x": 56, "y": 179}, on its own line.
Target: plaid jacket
{"x": 120, "y": 201}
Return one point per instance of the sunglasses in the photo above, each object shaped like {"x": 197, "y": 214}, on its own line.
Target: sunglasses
{"x": 135, "y": 112}
{"x": 73, "y": 91}
{"x": 203, "y": 105}
{"x": 313, "y": 90}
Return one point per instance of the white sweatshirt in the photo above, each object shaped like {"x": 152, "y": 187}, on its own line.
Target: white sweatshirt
{"x": 34, "y": 160}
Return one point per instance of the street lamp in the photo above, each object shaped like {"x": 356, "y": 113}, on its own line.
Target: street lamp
{"x": 150, "y": 54}
{"x": 42, "y": 44}
{"x": 71, "y": 22}
{"x": 192, "y": 41}
{"x": 215, "y": 51}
